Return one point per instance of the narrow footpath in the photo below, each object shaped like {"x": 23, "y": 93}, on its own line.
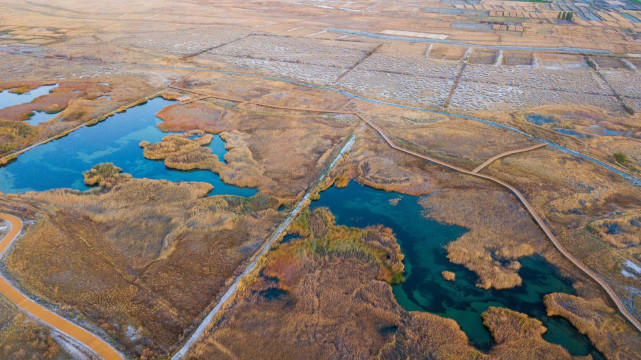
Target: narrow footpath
{"x": 615, "y": 298}
{"x": 507, "y": 153}
{"x": 606, "y": 287}
{"x": 632, "y": 179}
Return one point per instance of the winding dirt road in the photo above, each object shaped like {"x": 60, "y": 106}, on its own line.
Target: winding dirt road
{"x": 615, "y": 298}
{"x": 109, "y": 353}
{"x": 33, "y": 309}
{"x": 507, "y": 153}
{"x": 607, "y": 288}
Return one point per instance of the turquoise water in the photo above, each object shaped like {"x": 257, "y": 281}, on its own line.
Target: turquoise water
{"x": 422, "y": 241}
{"x": 39, "y": 117}
{"x": 631, "y": 179}
{"x": 8, "y": 99}
{"x": 217, "y": 146}
{"x": 60, "y": 163}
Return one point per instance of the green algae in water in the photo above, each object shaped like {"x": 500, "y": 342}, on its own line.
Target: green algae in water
{"x": 422, "y": 242}
{"x": 60, "y": 163}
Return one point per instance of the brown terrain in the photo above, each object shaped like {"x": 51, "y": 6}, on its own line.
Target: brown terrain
{"x": 140, "y": 262}
{"x": 325, "y": 301}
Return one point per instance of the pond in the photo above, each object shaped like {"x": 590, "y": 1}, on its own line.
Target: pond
{"x": 569, "y": 132}
{"x": 600, "y": 131}
{"x": 8, "y": 99}
{"x": 422, "y": 242}
{"x": 39, "y": 117}
{"x": 60, "y": 163}
{"x": 539, "y": 119}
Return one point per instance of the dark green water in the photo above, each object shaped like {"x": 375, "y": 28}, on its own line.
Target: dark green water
{"x": 422, "y": 241}
{"x": 60, "y": 163}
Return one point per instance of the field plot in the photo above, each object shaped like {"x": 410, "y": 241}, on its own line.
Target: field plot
{"x": 447, "y": 52}
{"x": 289, "y": 49}
{"x": 624, "y": 82}
{"x": 509, "y": 88}
{"x": 414, "y": 79}
{"x": 294, "y": 71}
{"x": 573, "y": 80}
{"x": 425, "y": 91}
{"x": 311, "y": 60}
{"x": 183, "y": 42}
{"x": 607, "y": 63}
{"x": 512, "y": 59}
{"x": 483, "y": 57}
{"x": 481, "y": 96}
{"x": 559, "y": 62}
{"x": 388, "y": 62}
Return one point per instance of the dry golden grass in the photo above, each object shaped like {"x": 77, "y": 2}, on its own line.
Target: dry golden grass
{"x": 76, "y": 101}
{"x": 57, "y": 100}
{"x": 458, "y": 141}
{"x": 620, "y": 231}
{"x": 278, "y": 154}
{"x": 608, "y": 331}
{"x": 23, "y": 338}
{"x": 372, "y": 164}
{"x": 105, "y": 175}
{"x": 142, "y": 260}
{"x": 325, "y": 304}
{"x": 21, "y": 87}
{"x": 319, "y": 297}
{"x": 321, "y": 236}
{"x": 518, "y": 336}
{"x": 195, "y": 116}
{"x": 500, "y": 233}
{"x": 579, "y": 200}
{"x": 448, "y": 275}
{"x": 589, "y": 122}
{"x": 181, "y": 152}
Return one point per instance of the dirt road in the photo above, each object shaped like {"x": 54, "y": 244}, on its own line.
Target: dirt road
{"x": 615, "y": 298}
{"x": 279, "y": 231}
{"x": 606, "y": 287}
{"x": 66, "y": 327}
{"x": 511, "y": 152}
